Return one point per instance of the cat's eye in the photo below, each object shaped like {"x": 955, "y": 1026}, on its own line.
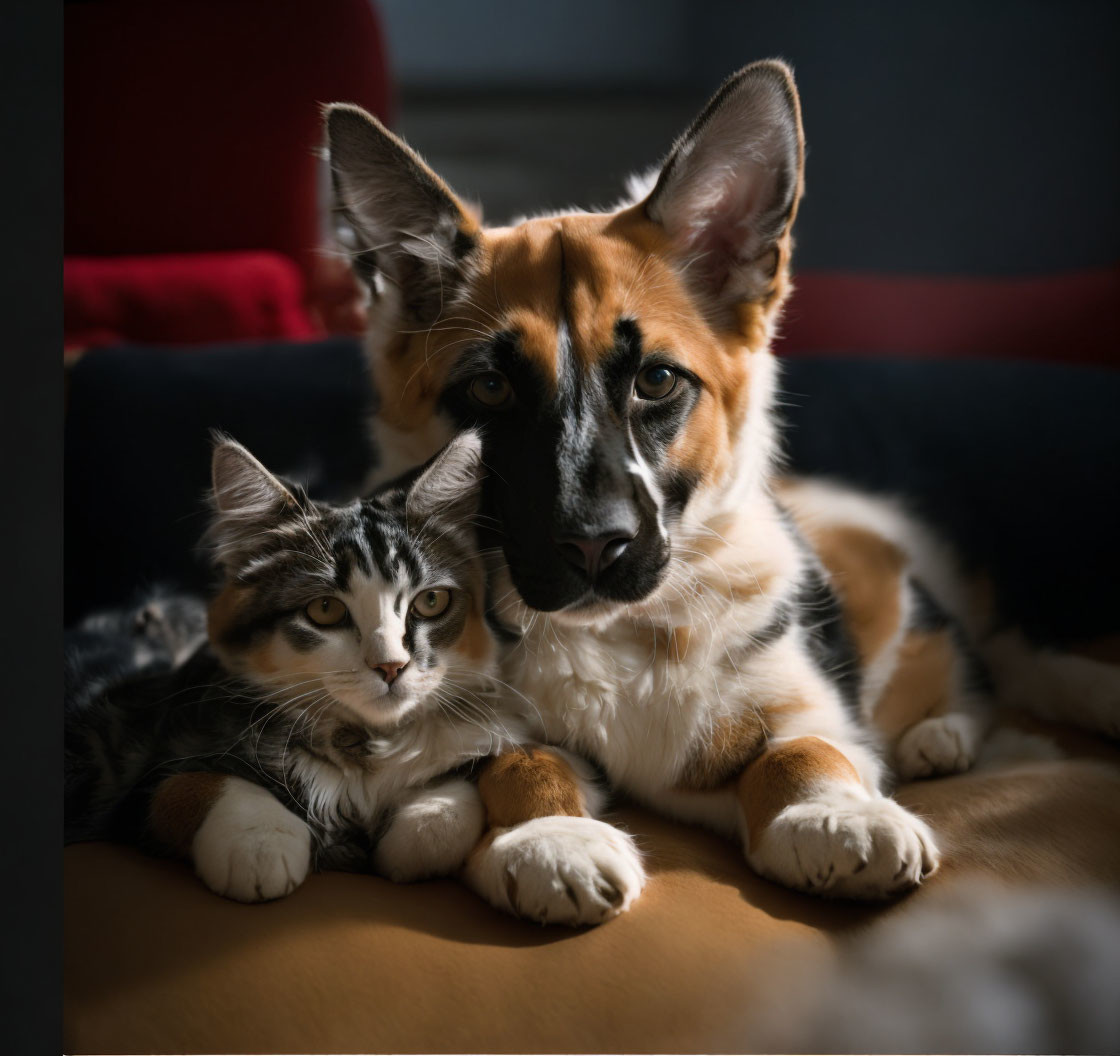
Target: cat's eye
{"x": 326, "y": 612}
{"x": 431, "y": 603}
{"x": 655, "y": 383}
{"x": 491, "y": 389}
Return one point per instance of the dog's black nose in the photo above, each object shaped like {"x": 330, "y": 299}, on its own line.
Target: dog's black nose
{"x": 593, "y": 555}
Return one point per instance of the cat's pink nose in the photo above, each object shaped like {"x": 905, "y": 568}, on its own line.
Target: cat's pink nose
{"x": 390, "y": 669}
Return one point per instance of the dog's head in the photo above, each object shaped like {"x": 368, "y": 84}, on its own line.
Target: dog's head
{"x": 617, "y": 362}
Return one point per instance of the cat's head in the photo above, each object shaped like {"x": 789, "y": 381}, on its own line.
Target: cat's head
{"x": 377, "y": 605}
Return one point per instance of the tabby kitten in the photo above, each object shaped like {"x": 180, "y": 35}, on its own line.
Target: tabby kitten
{"x": 335, "y": 716}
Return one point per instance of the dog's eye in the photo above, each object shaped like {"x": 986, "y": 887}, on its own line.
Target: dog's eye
{"x": 326, "y": 612}
{"x": 491, "y": 390}
{"x": 431, "y": 603}
{"x": 655, "y": 383}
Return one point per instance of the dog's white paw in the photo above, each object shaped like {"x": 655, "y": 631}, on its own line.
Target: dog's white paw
{"x": 250, "y": 847}
{"x": 947, "y": 744}
{"x": 846, "y": 844}
{"x": 559, "y": 870}
{"x": 431, "y": 833}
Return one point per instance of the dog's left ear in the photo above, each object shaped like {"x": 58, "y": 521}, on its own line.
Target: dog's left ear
{"x": 410, "y": 226}
{"x": 728, "y": 193}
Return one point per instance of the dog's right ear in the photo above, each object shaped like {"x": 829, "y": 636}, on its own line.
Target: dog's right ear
{"x": 728, "y": 192}
{"x": 410, "y": 226}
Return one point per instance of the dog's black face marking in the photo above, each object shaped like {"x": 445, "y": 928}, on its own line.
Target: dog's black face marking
{"x": 575, "y": 464}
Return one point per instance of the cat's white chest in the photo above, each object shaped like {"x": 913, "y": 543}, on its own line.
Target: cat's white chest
{"x": 362, "y": 792}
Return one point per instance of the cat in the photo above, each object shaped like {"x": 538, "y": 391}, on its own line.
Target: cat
{"x": 345, "y": 710}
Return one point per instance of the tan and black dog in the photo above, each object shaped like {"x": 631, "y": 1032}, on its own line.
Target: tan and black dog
{"x": 731, "y": 648}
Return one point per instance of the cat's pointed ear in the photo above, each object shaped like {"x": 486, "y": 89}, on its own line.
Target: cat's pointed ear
{"x": 242, "y": 486}
{"x": 408, "y": 224}
{"x": 246, "y": 497}
{"x": 448, "y": 486}
{"x": 728, "y": 192}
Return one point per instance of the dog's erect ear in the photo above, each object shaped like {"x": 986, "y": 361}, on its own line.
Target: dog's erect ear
{"x": 449, "y": 484}
{"x": 409, "y": 225}
{"x": 729, "y": 190}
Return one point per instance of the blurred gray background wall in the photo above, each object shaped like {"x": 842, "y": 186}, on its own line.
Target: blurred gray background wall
{"x": 972, "y": 138}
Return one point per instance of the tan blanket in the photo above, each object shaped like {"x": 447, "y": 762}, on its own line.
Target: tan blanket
{"x": 155, "y": 963}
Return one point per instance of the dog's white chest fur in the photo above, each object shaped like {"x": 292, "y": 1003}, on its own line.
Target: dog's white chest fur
{"x": 642, "y": 693}
{"x": 622, "y": 695}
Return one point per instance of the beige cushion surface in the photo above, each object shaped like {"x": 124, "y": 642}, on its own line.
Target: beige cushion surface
{"x": 156, "y": 963}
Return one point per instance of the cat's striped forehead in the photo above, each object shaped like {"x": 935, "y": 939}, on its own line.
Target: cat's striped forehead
{"x": 327, "y": 547}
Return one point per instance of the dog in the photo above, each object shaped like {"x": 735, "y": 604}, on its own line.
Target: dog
{"x": 735, "y": 649}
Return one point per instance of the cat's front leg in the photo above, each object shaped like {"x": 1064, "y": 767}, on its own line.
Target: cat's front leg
{"x": 432, "y": 831}
{"x": 812, "y": 824}
{"x": 244, "y": 843}
{"x": 545, "y": 856}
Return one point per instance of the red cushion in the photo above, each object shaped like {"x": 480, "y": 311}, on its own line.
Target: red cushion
{"x": 183, "y": 299}
{"x": 1069, "y": 317}
{"x": 192, "y": 126}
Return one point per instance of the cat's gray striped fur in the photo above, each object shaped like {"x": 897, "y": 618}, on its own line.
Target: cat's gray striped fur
{"x": 294, "y": 701}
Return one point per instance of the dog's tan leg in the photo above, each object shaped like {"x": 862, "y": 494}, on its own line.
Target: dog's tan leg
{"x": 545, "y": 856}
{"x": 811, "y": 824}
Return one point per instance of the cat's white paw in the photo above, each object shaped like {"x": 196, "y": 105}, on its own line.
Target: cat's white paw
{"x": 559, "y": 870}
{"x": 431, "y": 833}
{"x": 250, "y": 847}
{"x": 946, "y": 744}
{"x": 846, "y": 844}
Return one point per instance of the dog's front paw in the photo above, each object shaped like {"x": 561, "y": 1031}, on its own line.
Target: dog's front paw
{"x": 947, "y": 744}
{"x": 846, "y": 844}
{"x": 251, "y": 848}
{"x": 558, "y": 870}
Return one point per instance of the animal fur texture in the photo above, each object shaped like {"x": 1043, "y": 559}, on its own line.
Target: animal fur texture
{"x": 754, "y": 654}
{"x": 346, "y": 713}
